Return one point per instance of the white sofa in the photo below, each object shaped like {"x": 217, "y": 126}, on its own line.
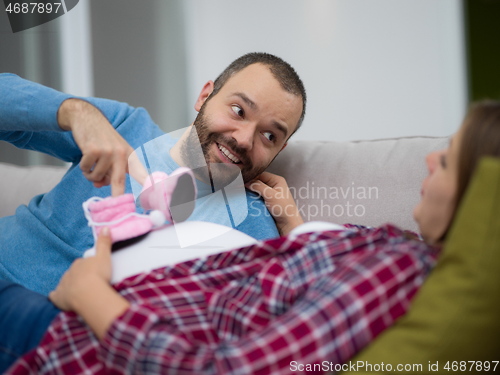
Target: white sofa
{"x": 364, "y": 182}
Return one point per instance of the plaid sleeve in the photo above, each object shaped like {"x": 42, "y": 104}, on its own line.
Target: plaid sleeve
{"x": 143, "y": 340}
{"x": 335, "y": 319}
{"x": 124, "y": 339}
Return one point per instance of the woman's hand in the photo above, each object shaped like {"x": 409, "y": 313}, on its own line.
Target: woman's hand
{"x": 83, "y": 273}
{"x": 85, "y": 289}
{"x": 279, "y": 201}
{"x": 104, "y": 152}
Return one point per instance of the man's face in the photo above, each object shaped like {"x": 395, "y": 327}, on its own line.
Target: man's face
{"x": 247, "y": 123}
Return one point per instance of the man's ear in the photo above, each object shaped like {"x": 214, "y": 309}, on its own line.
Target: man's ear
{"x": 204, "y": 94}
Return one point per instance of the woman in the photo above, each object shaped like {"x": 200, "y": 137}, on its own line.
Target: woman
{"x": 267, "y": 308}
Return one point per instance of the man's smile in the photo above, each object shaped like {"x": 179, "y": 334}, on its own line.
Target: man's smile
{"x": 228, "y": 154}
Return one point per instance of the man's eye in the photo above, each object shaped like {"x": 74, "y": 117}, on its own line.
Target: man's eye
{"x": 236, "y": 109}
{"x": 270, "y": 136}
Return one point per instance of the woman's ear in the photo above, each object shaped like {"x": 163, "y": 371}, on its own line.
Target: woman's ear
{"x": 204, "y": 94}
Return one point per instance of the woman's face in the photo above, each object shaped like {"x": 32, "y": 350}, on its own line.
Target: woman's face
{"x": 437, "y": 204}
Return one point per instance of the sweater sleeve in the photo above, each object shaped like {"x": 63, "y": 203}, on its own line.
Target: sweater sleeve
{"x": 28, "y": 117}
{"x": 28, "y": 106}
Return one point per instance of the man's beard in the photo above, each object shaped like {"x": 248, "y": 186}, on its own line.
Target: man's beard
{"x": 202, "y": 136}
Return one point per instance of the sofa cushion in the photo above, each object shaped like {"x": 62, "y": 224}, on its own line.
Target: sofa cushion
{"x": 364, "y": 182}
{"x": 454, "y": 317}
{"x": 19, "y": 184}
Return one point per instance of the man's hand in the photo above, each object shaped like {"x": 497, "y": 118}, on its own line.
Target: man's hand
{"x": 85, "y": 289}
{"x": 279, "y": 201}
{"x": 104, "y": 151}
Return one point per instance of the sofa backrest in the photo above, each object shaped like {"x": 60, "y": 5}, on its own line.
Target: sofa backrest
{"x": 19, "y": 184}
{"x": 363, "y": 182}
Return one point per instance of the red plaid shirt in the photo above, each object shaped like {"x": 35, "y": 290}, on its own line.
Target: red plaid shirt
{"x": 311, "y": 298}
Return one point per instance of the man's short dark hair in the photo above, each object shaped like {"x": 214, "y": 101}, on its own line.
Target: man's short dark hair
{"x": 284, "y": 73}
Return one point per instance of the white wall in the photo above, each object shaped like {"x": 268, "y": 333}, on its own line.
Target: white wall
{"x": 76, "y": 51}
{"x": 372, "y": 69}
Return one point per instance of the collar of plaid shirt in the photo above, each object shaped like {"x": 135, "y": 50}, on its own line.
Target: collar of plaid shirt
{"x": 311, "y": 298}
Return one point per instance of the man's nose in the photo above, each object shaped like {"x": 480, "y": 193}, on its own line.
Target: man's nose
{"x": 244, "y": 136}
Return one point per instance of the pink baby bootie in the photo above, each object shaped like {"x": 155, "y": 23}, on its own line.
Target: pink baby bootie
{"x": 167, "y": 198}
{"x": 173, "y": 195}
{"x": 119, "y": 215}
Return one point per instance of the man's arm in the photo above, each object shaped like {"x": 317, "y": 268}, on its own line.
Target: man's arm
{"x": 104, "y": 151}
{"x": 36, "y": 117}
{"x": 27, "y": 106}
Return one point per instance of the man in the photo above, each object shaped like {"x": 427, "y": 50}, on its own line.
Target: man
{"x": 245, "y": 119}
